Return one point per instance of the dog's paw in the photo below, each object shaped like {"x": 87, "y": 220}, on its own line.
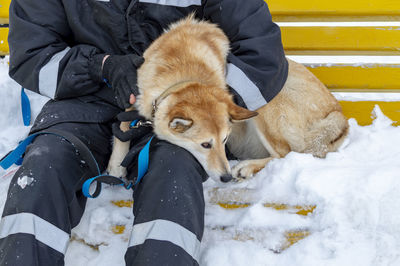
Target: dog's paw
{"x": 243, "y": 170}
{"x": 247, "y": 169}
{"x": 116, "y": 170}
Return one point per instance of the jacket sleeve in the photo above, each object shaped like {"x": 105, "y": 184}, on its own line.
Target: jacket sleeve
{"x": 257, "y": 68}
{"x": 41, "y": 58}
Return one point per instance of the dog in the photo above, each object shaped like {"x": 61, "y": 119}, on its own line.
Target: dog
{"x": 183, "y": 91}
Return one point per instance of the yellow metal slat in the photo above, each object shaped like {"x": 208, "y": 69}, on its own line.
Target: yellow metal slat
{"x": 281, "y": 9}
{"x": 321, "y": 38}
{"x": 366, "y": 76}
{"x": 298, "y": 209}
{"x": 361, "y": 111}
{"x": 118, "y": 229}
{"x": 123, "y": 203}
{"x": 4, "y": 6}
{"x": 319, "y": 8}
{"x": 4, "y": 50}
{"x": 292, "y": 237}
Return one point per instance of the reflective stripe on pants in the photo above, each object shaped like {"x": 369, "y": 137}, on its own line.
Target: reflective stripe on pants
{"x": 43, "y": 231}
{"x": 164, "y": 230}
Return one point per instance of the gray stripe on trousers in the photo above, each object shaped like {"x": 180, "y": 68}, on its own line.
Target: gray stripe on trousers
{"x": 28, "y": 223}
{"x": 166, "y": 231}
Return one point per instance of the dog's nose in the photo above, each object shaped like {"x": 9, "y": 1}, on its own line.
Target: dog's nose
{"x": 226, "y": 178}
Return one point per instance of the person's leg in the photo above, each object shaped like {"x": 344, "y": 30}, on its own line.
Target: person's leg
{"x": 44, "y": 200}
{"x": 169, "y": 209}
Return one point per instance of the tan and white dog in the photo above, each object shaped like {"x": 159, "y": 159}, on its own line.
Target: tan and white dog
{"x": 183, "y": 91}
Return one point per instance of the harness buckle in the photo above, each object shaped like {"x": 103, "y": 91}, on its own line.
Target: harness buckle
{"x": 140, "y": 123}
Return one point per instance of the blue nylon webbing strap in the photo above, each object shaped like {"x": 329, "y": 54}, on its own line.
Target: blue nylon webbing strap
{"x": 143, "y": 165}
{"x": 143, "y": 161}
{"x": 133, "y": 123}
{"x": 26, "y": 108}
{"x": 15, "y": 156}
{"x": 86, "y": 187}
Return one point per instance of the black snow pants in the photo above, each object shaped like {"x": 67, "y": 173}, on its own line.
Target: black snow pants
{"x": 45, "y": 202}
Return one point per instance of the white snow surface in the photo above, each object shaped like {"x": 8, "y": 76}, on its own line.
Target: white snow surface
{"x": 356, "y": 191}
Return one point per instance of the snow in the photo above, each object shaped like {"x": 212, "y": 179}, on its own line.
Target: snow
{"x": 24, "y": 181}
{"x": 346, "y": 59}
{"x": 367, "y": 96}
{"x": 355, "y": 190}
{"x": 377, "y": 24}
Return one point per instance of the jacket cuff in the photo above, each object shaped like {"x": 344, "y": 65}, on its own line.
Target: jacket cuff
{"x": 95, "y": 67}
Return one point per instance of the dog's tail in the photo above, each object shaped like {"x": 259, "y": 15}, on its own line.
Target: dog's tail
{"x": 326, "y": 135}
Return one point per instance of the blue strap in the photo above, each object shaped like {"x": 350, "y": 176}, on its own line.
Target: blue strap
{"x": 133, "y": 123}
{"x": 143, "y": 161}
{"x": 86, "y": 187}
{"x": 26, "y": 108}
{"x": 15, "y": 156}
{"x": 143, "y": 165}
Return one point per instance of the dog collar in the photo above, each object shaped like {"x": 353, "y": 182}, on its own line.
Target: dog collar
{"x": 174, "y": 88}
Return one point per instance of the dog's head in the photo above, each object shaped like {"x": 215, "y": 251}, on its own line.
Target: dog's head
{"x": 200, "y": 119}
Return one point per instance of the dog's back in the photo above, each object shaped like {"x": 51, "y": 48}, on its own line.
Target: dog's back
{"x": 189, "y": 50}
{"x": 303, "y": 117}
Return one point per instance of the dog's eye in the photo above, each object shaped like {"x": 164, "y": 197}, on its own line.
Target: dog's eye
{"x": 206, "y": 145}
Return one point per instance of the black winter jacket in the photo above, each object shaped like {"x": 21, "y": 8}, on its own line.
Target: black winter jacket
{"x": 51, "y": 42}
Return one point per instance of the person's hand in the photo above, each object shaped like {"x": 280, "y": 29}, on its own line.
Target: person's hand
{"x": 132, "y": 134}
{"x": 120, "y": 72}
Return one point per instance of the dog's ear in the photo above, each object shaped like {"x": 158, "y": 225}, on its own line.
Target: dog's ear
{"x": 238, "y": 113}
{"x": 180, "y": 124}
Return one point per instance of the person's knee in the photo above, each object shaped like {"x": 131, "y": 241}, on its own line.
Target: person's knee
{"x": 48, "y": 161}
{"x": 50, "y": 151}
{"x": 176, "y": 162}
{"x": 174, "y": 180}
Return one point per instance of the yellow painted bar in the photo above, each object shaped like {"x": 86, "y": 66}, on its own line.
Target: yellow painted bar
{"x": 368, "y": 76}
{"x": 4, "y": 6}
{"x": 118, "y": 229}
{"x": 384, "y": 9}
{"x": 4, "y": 50}
{"x": 298, "y": 209}
{"x": 309, "y": 39}
{"x": 361, "y": 111}
{"x": 281, "y": 9}
{"x": 233, "y": 205}
{"x": 292, "y": 237}
{"x": 123, "y": 203}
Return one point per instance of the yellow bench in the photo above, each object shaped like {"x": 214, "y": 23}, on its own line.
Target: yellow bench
{"x": 4, "y": 26}
{"x": 347, "y": 28}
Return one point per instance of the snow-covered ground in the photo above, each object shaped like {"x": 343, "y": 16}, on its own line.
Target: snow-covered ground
{"x": 356, "y": 192}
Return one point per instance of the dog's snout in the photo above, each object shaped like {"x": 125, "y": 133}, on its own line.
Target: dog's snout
{"x": 226, "y": 178}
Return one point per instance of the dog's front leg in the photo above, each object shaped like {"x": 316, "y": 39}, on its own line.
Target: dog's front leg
{"x": 120, "y": 150}
{"x": 248, "y": 168}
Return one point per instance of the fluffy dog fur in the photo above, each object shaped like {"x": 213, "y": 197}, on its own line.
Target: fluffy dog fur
{"x": 184, "y": 74}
